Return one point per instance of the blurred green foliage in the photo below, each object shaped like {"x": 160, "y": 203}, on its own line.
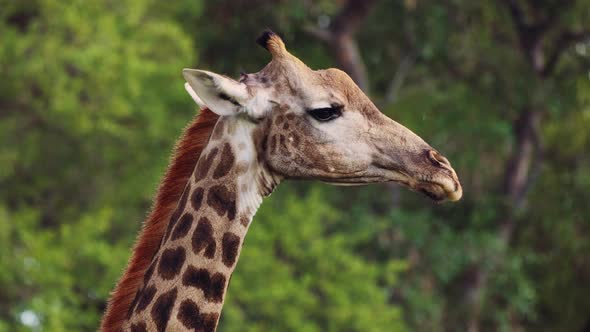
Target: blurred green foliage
{"x": 91, "y": 102}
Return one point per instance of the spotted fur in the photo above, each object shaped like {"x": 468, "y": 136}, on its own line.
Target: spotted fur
{"x": 186, "y": 154}
{"x": 203, "y": 238}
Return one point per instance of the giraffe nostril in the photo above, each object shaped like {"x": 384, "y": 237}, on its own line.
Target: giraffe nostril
{"x": 437, "y": 159}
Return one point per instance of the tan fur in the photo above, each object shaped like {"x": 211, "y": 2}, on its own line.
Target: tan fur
{"x": 276, "y": 47}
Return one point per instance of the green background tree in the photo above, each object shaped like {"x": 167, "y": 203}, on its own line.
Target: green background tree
{"x": 91, "y": 102}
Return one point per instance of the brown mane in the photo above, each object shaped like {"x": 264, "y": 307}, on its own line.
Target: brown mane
{"x": 183, "y": 161}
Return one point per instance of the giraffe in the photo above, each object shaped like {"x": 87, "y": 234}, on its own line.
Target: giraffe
{"x": 286, "y": 121}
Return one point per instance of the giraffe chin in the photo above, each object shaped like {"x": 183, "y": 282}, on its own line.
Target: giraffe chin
{"x": 445, "y": 190}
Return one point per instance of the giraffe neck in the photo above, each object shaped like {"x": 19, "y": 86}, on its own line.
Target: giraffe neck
{"x": 184, "y": 287}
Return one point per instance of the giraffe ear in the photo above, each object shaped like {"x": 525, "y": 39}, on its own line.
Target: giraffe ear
{"x": 220, "y": 94}
{"x": 193, "y": 95}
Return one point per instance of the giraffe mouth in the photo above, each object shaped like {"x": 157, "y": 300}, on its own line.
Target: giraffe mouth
{"x": 439, "y": 192}
{"x": 438, "y": 188}
{"x": 436, "y": 191}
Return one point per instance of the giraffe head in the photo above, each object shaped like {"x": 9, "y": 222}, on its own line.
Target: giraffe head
{"x": 318, "y": 124}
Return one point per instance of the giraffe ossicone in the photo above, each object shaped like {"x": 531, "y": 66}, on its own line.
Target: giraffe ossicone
{"x": 286, "y": 121}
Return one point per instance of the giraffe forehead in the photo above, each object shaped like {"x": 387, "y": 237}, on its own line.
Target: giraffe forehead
{"x": 295, "y": 78}
{"x": 310, "y": 89}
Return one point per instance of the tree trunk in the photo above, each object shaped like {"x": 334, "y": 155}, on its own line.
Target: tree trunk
{"x": 519, "y": 171}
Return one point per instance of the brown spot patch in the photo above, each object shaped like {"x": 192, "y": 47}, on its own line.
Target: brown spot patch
{"x": 177, "y": 212}
{"x": 242, "y": 167}
{"x": 225, "y": 163}
{"x": 197, "y": 198}
{"x": 204, "y": 164}
{"x": 183, "y": 226}
{"x": 223, "y": 201}
{"x": 150, "y": 270}
{"x": 213, "y": 287}
{"x": 286, "y": 126}
{"x": 171, "y": 262}
{"x": 244, "y": 221}
{"x": 279, "y": 119}
{"x": 209, "y": 321}
{"x": 163, "y": 308}
{"x": 133, "y": 304}
{"x": 190, "y": 316}
{"x": 230, "y": 246}
{"x": 139, "y": 327}
{"x": 260, "y": 138}
{"x": 290, "y": 116}
{"x": 203, "y": 238}
{"x": 147, "y": 295}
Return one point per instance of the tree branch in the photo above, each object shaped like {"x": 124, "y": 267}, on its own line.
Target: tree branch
{"x": 350, "y": 16}
{"x": 531, "y": 35}
{"x": 563, "y": 42}
{"x": 523, "y": 164}
{"x": 519, "y": 165}
{"x": 517, "y": 13}
{"x": 398, "y": 78}
{"x": 339, "y": 37}
{"x": 320, "y": 34}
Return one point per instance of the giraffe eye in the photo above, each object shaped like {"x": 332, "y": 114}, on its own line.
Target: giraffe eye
{"x": 326, "y": 113}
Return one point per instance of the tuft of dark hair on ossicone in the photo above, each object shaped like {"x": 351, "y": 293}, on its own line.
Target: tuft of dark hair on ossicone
{"x": 263, "y": 39}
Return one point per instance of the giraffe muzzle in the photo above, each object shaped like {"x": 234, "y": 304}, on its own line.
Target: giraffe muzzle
{"x": 443, "y": 183}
